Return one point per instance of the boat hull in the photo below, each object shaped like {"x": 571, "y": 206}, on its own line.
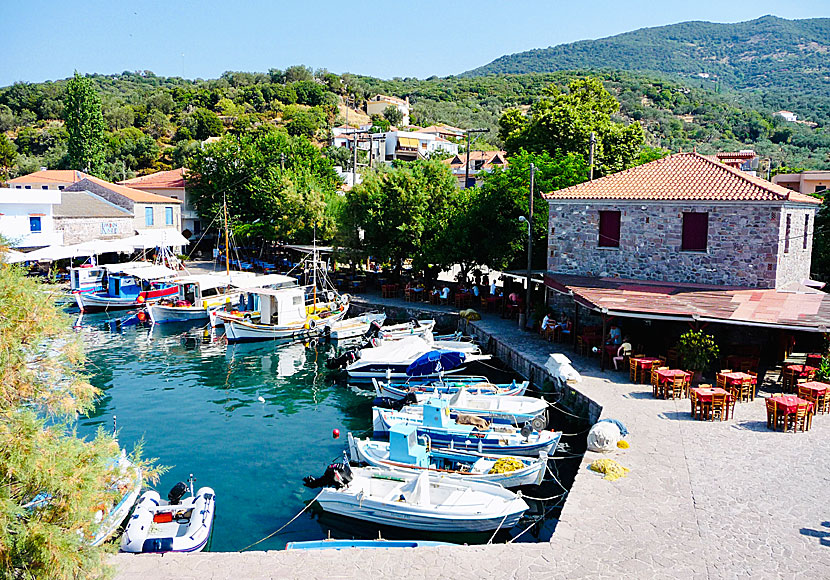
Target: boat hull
{"x": 93, "y": 302}
{"x": 477, "y": 386}
{"x": 144, "y": 534}
{"x": 159, "y": 314}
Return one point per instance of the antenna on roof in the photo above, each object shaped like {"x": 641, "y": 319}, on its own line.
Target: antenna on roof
{"x": 694, "y": 149}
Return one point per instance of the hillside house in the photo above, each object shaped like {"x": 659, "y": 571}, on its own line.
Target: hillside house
{"x": 377, "y": 104}
{"x": 685, "y": 239}
{"x": 83, "y": 216}
{"x": 411, "y": 145}
{"x": 806, "y": 182}
{"x": 787, "y": 116}
{"x": 481, "y": 162}
{"x": 47, "y": 179}
{"x": 27, "y": 220}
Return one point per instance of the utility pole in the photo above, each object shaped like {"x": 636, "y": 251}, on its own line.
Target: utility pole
{"x": 530, "y": 242}
{"x": 593, "y": 142}
{"x": 282, "y": 161}
{"x": 467, "y": 171}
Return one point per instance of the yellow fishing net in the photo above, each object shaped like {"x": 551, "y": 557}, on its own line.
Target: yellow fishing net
{"x": 506, "y": 465}
{"x": 610, "y": 468}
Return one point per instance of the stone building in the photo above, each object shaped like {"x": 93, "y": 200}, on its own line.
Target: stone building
{"x": 687, "y": 241}
{"x": 683, "y": 219}
{"x": 83, "y": 216}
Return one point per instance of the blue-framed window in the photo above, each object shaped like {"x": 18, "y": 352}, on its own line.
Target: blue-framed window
{"x": 34, "y": 224}
{"x": 168, "y": 216}
{"x": 148, "y": 216}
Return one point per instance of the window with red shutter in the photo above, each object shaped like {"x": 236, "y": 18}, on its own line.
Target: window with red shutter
{"x": 695, "y": 231}
{"x": 609, "y": 229}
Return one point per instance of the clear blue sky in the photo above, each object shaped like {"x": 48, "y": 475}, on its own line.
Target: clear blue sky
{"x": 49, "y": 39}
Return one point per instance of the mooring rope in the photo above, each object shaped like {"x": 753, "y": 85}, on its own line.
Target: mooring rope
{"x": 536, "y": 521}
{"x": 490, "y": 541}
{"x": 272, "y": 534}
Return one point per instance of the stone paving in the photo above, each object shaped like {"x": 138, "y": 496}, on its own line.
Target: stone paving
{"x": 703, "y": 500}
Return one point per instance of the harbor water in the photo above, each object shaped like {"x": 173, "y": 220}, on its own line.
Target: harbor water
{"x": 249, "y": 420}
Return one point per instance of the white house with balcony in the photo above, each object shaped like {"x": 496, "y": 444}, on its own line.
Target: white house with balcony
{"x": 27, "y": 217}
{"x": 411, "y": 145}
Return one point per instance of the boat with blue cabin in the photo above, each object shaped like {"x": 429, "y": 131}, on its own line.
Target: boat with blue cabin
{"x": 445, "y": 432}
{"x": 129, "y": 286}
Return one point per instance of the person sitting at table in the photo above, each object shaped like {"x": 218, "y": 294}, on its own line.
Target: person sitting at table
{"x": 548, "y": 326}
{"x": 493, "y": 287}
{"x": 514, "y": 298}
{"x": 622, "y": 352}
{"x": 476, "y": 291}
{"x": 614, "y": 335}
{"x": 445, "y": 294}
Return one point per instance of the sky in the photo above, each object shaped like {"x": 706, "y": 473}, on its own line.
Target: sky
{"x": 49, "y": 39}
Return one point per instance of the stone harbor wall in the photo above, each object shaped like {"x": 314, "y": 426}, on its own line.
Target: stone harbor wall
{"x": 741, "y": 245}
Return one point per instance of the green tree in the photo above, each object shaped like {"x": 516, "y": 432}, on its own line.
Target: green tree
{"x": 484, "y": 229}
{"x": 41, "y": 379}
{"x": 562, "y": 123}
{"x": 399, "y": 210}
{"x": 393, "y": 115}
{"x": 85, "y": 126}
{"x": 8, "y": 155}
{"x": 277, "y": 186}
{"x": 203, "y": 123}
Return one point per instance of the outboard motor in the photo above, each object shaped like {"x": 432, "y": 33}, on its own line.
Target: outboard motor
{"x": 177, "y": 493}
{"x": 394, "y": 404}
{"x": 337, "y": 475}
{"x": 374, "y": 329}
{"x": 527, "y": 430}
{"x": 341, "y": 361}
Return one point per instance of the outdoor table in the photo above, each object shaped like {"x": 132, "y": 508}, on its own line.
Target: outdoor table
{"x": 704, "y": 395}
{"x": 788, "y": 405}
{"x": 739, "y": 361}
{"x": 667, "y": 376}
{"x": 814, "y": 359}
{"x": 735, "y": 379}
{"x": 644, "y": 364}
{"x": 801, "y": 370}
{"x": 816, "y": 387}
{"x": 494, "y": 303}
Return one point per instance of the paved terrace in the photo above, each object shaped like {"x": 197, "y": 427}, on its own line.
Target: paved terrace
{"x": 703, "y": 500}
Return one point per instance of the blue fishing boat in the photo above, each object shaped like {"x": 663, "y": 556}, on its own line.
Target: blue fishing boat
{"x": 332, "y": 544}
{"x": 129, "y": 288}
{"x": 445, "y": 432}
{"x": 475, "y": 385}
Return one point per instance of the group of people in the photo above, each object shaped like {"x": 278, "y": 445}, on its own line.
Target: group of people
{"x": 550, "y": 326}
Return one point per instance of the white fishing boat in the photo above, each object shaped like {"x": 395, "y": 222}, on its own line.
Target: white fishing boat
{"x": 198, "y": 295}
{"x": 411, "y": 328}
{"x": 176, "y": 525}
{"x": 126, "y": 485}
{"x": 446, "y": 432}
{"x": 423, "y": 501}
{"x": 353, "y": 327}
{"x": 403, "y": 452}
{"x": 494, "y": 409}
{"x": 285, "y": 313}
{"x": 392, "y": 359}
{"x": 475, "y": 385}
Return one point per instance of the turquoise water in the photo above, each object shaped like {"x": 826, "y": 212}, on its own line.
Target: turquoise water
{"x": 249, "y": 420}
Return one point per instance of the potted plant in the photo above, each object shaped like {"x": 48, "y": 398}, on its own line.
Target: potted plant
{"x": 697, "y": 351}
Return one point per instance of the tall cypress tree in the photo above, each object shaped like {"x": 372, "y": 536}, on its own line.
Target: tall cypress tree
{"x": 85, "y": 125}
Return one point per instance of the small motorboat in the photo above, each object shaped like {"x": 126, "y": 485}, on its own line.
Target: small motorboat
{"x": 126, "y": 482}
{"x": 395, "y": 359}
{"x": 333, "y": 544}
{"x": 177, "y": 525}
{"x": 494, "y": 409}
{"x": 353, "y": 327}
{"x": 423, "y": 501}
{"x": 472, "y": 435}
{"x": 411, "y": 328}
{"x": 475, "y": 385}
{"x": 403, "y": 452}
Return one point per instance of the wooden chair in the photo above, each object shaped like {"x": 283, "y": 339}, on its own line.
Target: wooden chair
{"x": 662, "y": 361}
{"x": 802, "y": 417}
{"x": 745, "y": 390}
{"x": 788, "y": 379}
{"x": 695, "y": 404}
{"x": 676, "y": 387}
{"x": 672, "y": 359}
{"x": 821, "y": 403}
{"x": 773, "y": 420}
{"x": 633, "y": 370}
{"x": 724, "y": 371}
{"x": 656, "y": 388}
{"x": 719, "y": 408}
{"x": 754, "y": 381}
{"x": 720, "y": 380}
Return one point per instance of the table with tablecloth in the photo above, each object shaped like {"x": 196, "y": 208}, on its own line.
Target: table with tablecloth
{"x": 788, "y": 405}
{"x": 704, "y": 395}
{"x": 644, "y": 365}
{"x": 666, "y": 376}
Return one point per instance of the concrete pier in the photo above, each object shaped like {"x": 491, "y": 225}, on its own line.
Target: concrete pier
{"x": 703, "y": 500}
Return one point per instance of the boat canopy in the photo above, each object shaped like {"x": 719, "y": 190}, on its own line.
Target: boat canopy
{"x": 166, "y": 237}
{"x": 403, "y": 350}
{"x": 142, "y": 270}
{"x": 267, "y": 280}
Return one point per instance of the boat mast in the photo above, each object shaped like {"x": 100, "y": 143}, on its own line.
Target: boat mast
{"x": 314, "y": 266}
{"x": 227, "y": 250}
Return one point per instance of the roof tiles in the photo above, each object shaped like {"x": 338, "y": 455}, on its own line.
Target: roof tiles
{"x": 681, "y": 177}
{"x": 173, "y": 179}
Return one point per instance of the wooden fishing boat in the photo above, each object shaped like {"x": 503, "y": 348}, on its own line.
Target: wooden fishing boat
{"x": 126, "y": 483}
{"x": 424, "y": 501}
{"x": 133, "y": 285}
{"x": 475, "y": 385}
{"x": 445, "y": 432}
{"x": 403, "y": 451}
{"x": 353, "y": 327}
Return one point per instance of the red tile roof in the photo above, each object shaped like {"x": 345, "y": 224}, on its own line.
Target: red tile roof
{"x": 57, "y": 176}
{"x": 681, "y": 177}
{"x": 173, "y": 179}
{"x": 135, "y": 195}
{"x": 807, "y": 309}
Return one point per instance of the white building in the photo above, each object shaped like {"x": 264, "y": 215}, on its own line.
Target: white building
{"x": 377, "y": 104}
{"x": 411, "y": 145}
{"x": 788, "y": 116}
{"x": 27, "y": 217}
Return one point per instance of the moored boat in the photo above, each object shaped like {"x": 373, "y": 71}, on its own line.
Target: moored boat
{"x": 475, "y": 385}
{"x": 403, "y": 451}
{"x": 176, "y": 525}
{"x": 412, "y": 328}
{"x": 334, "y": 544}
{"x": 424, "y": 501}
{"x": 353, "y": 327}
{"x": 443, "y": 431}
{"x": 126, "y": 483}
{"x": 131, "y": 286}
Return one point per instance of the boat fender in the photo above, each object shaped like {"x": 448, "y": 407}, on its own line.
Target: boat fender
{"x": 311, "y": 324}
{"x": 141, "y": 298}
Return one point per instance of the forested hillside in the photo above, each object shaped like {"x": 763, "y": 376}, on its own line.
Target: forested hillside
{"x": 156, "y": 123}
{"x": 783, "y": 63}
